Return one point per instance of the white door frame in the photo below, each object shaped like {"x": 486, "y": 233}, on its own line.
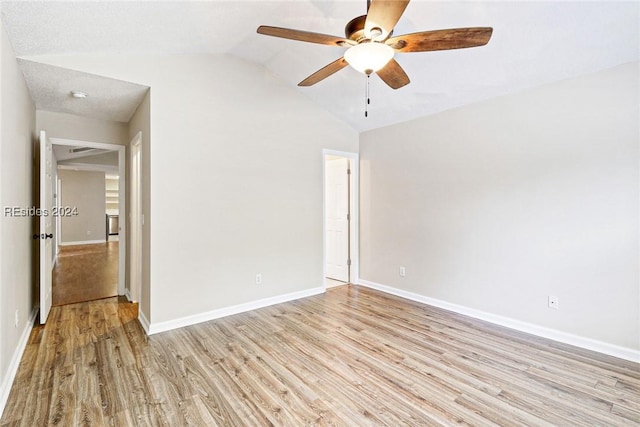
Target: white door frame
{"x": 135, "y": 218}
{"x": 58, "y": 227}
{"x": 122, "y": 236}
{"x": 354, "y": 197}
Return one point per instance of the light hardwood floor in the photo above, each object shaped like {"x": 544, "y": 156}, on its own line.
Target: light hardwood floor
{"x": 85, "y": 272}
{"x": 350, "y": 357}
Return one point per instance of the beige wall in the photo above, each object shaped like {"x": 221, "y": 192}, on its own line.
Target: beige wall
{"x": 71, "y": 126}
{"x": 17, "y": 132}
{"x": 85, "y": 191}
{"x": 498, "y": 205}
{"x": 141, "y": 122}
{"x": 235, "y": 180}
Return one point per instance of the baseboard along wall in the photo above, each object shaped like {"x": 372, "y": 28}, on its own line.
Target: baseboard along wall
{"x": 7, "y": 381}
{"x": 518, "y": 325}
{"x": 155, "y": 328}
{"x": 82, "y": 242}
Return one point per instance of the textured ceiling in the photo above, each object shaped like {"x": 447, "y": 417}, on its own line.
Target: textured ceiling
{"x": 107, "y": 99}
{"x": 533, "y": 43}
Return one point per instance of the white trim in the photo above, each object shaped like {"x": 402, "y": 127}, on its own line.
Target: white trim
{"x": 168, "y": 325}
{"x": 143, "y": 321}
{"x": 122, "y": 225}
{"x": 82, "y": 242}
{"x": 89, "y": 167}
{"x": 127, "y": 295}
{"x": 134, "y": 217}
{"x": 122, "y": 235}
{"x": 518, "y": 325}
{"x": 354, "y": 249}
{"x": 79, "y": 143}
{"x": 7, "y": 381}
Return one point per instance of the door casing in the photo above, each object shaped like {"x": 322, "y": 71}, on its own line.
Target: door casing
{"x": 122, "y": 237}
{"x": 136, "y": 219}
{"x": 354, "y": 271}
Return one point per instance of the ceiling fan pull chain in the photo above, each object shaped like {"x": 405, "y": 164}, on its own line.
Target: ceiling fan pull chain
{"x": 366, "y": 93}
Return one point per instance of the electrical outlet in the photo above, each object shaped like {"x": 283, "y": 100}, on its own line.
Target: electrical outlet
{"x": 258, "y": 279}
{"x": 17, "y": 318}
{"x": 403, "y": 272}
{"x": 554, "y": 302}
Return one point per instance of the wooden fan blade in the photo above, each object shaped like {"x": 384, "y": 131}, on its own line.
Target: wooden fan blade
{"x": 304, "y": 36}
{"x": 324, "y": 72}
{"x": 393, "y": 75}
{"x": 384, "y": 14}
{"x": 456, "y": 38}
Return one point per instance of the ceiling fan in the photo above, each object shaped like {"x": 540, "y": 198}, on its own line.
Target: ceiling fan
{"x": 371, "y": 45}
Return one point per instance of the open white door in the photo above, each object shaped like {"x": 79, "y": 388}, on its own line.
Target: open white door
{"x": 337, "y": 218}
{"x": 46, "y": 225}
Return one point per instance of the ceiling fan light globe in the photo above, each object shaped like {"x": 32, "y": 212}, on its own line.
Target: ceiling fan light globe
{"x": 368, "y": 57}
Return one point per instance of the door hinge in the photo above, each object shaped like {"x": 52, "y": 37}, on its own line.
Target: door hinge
{"x": 348, "y": 217}
{"x": 349, "y": 263}
{"x": 348, "y": 171}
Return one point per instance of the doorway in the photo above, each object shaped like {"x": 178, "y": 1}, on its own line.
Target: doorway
{"x": 340, "y": 217}
{"x": 90, "y": 262}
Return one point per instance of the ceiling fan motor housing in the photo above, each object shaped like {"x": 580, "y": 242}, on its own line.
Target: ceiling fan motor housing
{"x": 354, "y": 30}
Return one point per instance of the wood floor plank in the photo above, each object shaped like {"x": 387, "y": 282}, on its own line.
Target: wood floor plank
{"x": 501, "y": 412}
{"x": 349, "y": 357}
{"x": 543, "y": 399}
{"x": 85, "y": 272}
{"x": 632, "y": 417}
{"x": 296, "y": 385}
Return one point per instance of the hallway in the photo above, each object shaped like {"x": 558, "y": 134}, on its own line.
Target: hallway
{"x": 85, "y": 273}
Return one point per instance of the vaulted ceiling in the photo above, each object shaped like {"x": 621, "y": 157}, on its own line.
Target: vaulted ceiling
{"x": 533, "y": 43}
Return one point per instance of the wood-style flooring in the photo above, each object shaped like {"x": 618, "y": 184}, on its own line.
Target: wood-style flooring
{"x": 350, "y": 357}
{"x": 85, "y": 272}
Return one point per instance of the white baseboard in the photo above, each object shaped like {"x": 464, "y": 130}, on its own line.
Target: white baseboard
{"x": 155, "y": 328}
{"x": 143, "y": 321}
{"x": 7, "y": 382}
{"x": 530, "y": 328}
{"x": 83, "y": 242}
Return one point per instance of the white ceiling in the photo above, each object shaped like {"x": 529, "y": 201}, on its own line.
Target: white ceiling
{"x": 533, "y": 43}
{"x": 108, "y": 99}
